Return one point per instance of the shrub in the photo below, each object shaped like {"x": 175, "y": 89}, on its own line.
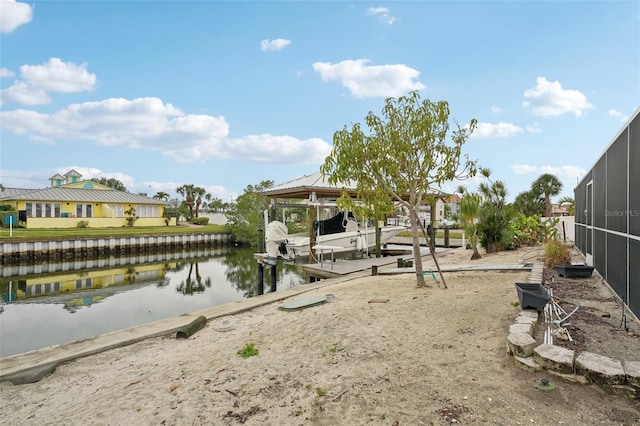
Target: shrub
{"x": 248, "y": 350}
{"x": 82, "y": 224}
{"x": 200, "y": 220}
{"x": 556, "y": 253}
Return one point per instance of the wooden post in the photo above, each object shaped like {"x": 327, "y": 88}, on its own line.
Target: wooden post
{"x": 313, "y": 216}
{"x": 378, "y": 237}
{"x": 260, "y": 278}
{"x": 446, "y": 236}
{"x": 374, "y": 270}
{"x": 191, "y": 328}
{"x": 274, "y": 276}
{"x": 261, "y": 242}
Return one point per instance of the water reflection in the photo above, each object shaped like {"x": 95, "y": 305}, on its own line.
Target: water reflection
{"x": 114, "y": 293}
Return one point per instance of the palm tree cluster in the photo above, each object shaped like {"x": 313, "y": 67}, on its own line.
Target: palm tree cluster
{"x": 538, "y": 199}
{"x": 489, "y": 220}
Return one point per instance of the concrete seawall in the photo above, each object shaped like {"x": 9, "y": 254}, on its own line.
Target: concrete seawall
{"x": 12, "y": 252}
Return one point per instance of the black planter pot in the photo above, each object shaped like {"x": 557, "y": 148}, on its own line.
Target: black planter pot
{"x": 574, "y": 271}
{"x": 532, "y": 296}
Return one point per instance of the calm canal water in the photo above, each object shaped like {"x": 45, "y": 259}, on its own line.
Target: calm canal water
{"x": 56, "y": 303}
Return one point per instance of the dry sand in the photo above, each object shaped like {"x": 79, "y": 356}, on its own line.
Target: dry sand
{"x": 427, "y": 356}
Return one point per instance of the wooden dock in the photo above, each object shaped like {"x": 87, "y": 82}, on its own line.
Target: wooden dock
{"x": 344, "y": 266}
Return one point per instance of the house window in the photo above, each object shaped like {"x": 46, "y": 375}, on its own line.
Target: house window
{"x": 47, "y": 210}
{"x": 84, "y": 210}
{"x": 56, "y": 209}
{"x": 38, "y": 210}
{"x": 29, "y": 209}
{"x": 147, "y": 211}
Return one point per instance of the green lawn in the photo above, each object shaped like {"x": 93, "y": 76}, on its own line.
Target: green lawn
{"x": 23, "y": 233}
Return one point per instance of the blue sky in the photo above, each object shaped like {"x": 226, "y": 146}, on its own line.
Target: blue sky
{"x": 223, "y": 95}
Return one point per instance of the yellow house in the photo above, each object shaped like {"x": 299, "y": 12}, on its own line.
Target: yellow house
{"x": 71, "y": 202}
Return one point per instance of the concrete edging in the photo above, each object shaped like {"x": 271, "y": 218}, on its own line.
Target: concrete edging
{"x": 612, "y": 375}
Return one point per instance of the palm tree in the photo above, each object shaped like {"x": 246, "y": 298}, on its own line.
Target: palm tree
{"x": 199, "y": 192}
{"x": 161, "y": 196}
{"x": 571, "y": 202}
{"x": 548, "y": 185}
{"x": 469, "y": 210}
{"x": 187, "y": 191}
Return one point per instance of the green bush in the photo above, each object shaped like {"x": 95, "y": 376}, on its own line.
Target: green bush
{"x": 248, "y": 350}
{"x": 556, "y": 253}
{"x": 200, "y": 221}
{"x": 82, "y": 224}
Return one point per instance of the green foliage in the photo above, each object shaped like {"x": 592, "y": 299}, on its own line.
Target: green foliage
{"x": 402, "y": 156}
{"x": 6, "y": 208}
{"x": 246, "y": 215}
{"x": 200, "y": 220}
{"x": 161, "y": 196}
{"x": 82, "y": 224}
{"x": 494, "y": 215}
{"x": 529, "y": 203}
{"x": 192, "y": 198}
{"x": 111, "y": 183}
{"x": 556, "y": 253}
{"x": 321, "y": 392}
{"x": 548, "y": 185}
{"x": 530, "y": 230}
{"x": 130, "y": 216}
{"x": 248, "y": 350}
{"x": 469, "y": 209}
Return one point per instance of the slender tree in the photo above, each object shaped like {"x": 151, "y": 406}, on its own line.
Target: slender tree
{"x": 548, "y": 185}
{"x": 494, "y": 214}
{"x": 247, "y": 214}
{"x": 469, "y": 210}
{"x": 402, "y": 158}
{"x": 192, "y": 196}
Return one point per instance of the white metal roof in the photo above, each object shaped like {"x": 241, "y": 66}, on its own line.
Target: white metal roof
{"x": 76, "y": 195}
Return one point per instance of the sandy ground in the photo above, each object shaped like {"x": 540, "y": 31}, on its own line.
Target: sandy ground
{"x": 427, "y": 356}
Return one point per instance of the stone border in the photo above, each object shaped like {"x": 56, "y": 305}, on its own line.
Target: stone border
{"x": 612, "y": 375}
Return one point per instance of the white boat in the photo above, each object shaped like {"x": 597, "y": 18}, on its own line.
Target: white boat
{"x": 337, "y": 234}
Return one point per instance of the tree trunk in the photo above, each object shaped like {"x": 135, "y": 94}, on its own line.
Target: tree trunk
{"x": 433, "y": 255}
{"x": 191, "y": 328}
{"x": 417, "y": 259}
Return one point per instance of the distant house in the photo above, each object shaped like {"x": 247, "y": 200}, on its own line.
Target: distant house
{"x": 607, "y": 212}
{"x": 70, "y": 200}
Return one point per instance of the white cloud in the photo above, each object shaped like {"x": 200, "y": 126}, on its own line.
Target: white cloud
{"x": 267, "y": 45}
{"x": 6, "y": 73}
{"x": 550, "y": 99}
{"x": 150, "y": 124}
{"x": 267, "y": 148}
{"x": 368, "y": 81}
{"x": 58, "y": 76}
{"x": 523, "y": 169}
{"x": 569, "y": 175}
{"x": 383, "y": 13}
{"x": 24, "y": 94}
{"x": 500, "y": 130}
{"x": 618, "y": 114}
{"x": 13, "y": 15}
{"x": 52, "y": 76}
{"x": 496, "y": 109}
